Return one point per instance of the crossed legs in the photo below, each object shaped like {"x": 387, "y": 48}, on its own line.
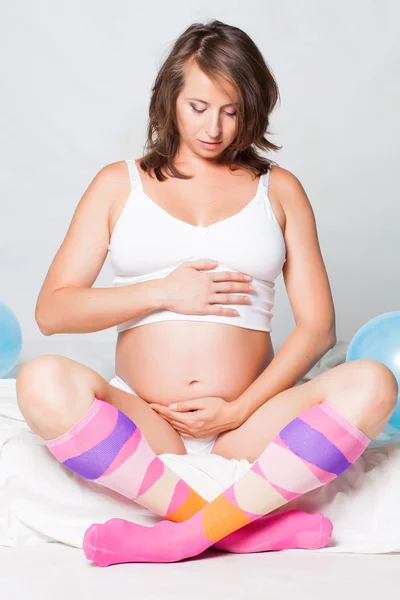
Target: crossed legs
{"x": 98, "y": 431}
{"x": 90, "y": 445}
{"x": 311, "y": 449}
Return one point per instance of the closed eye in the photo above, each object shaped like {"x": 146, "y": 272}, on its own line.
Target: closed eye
{"x": 201, "y": 111}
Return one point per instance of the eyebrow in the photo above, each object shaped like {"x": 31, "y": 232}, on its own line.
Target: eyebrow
{"x": 204, "y": 102}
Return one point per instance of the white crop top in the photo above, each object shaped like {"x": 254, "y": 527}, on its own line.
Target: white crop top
{"x": 148, "y": 243}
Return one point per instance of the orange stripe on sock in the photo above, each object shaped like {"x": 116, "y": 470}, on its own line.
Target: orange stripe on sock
{"x": 220, "y": 518}
{"x": 192, "y": 505}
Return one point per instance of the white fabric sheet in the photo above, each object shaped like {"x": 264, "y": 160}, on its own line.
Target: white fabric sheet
{"x": 42, "y": 501}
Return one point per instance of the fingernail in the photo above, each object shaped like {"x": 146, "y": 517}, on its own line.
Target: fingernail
{"x": 173, "y": 406}
{"x": 248, "y": 278}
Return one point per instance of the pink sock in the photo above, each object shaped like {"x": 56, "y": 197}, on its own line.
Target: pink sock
{"x": 121, "y": 541}
{"x": 289, "y": 529}
{"x": 310, "y": 451}
{"x": 78, "y": 450}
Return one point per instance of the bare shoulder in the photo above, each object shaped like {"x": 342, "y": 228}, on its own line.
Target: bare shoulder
{"x": 288, "y": 195}
{"x": 113, "y": 176}
{"x": 114, "y": 181}
{"x": 287, "y": 187}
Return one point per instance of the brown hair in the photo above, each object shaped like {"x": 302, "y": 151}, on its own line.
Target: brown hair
{"x": 220, "y": 51}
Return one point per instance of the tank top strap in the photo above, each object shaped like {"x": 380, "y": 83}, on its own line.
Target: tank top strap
{"x": 134, "y": 176}
{"x": 265, "y": 179}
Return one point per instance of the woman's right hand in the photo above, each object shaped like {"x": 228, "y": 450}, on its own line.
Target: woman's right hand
{"x": 191, "y": 291}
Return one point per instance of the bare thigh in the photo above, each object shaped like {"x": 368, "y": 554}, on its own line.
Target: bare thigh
{"x": 54, "y": 392}
{"x": 363, "y": 391}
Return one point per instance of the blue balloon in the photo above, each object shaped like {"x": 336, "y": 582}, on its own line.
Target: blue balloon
{"x": 379, "y": 339}
{"x": 10, "y": 340}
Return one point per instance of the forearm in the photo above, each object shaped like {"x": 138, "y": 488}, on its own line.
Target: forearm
{"x": 85, "y": 310}
{"x": 301, "y": 351}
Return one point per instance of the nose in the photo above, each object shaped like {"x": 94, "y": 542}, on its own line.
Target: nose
{"x": 213, "y": 128}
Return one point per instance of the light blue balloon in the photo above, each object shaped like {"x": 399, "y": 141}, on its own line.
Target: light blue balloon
{"x": 10, "y": 339}
{"x": 379, "y": 339}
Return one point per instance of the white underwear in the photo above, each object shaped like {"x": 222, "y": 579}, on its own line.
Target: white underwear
{"x": 194, "y": 446}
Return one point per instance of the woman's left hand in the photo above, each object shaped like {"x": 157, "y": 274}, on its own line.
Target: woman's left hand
{"x": 201, "y": 417}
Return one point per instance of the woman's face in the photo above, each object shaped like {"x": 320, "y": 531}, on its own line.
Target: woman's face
{"x": 215, "y": 121}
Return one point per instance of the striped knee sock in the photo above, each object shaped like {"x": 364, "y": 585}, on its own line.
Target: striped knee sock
{"x": 105, "y": 446}
{"x": 310, "y": 451}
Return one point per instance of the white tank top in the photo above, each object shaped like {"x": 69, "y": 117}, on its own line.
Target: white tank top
{"x": 148, "y": 243}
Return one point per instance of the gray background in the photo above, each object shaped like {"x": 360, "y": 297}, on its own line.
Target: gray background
{"x": 76, "y": 80}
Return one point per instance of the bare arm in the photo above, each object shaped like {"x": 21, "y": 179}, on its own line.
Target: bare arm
{"x": 84, "y": 310}
{"x": 67, "y": 303}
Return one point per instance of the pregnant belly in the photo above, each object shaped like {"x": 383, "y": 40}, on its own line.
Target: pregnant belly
{"x": 178, "y": 360}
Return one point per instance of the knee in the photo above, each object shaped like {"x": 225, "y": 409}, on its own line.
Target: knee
{"x": 36, "y": 380}
{"x": 379, "y": 385}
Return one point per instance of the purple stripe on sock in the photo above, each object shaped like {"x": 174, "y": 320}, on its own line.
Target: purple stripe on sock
{"x": 93, "y": 463}
{"x": 311, "y": 445}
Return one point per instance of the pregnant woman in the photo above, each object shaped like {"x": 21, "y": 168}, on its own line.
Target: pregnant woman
{"x": 195, "y": 370}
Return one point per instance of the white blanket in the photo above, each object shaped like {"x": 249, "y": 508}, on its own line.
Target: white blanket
{"x": 42, "y": 501}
